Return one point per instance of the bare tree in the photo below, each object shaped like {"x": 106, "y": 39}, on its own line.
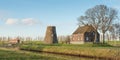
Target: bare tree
{"x": 83, "y": 20}
{"x": 115, "y": 31}
{"x": 117, "y": 27}
{"x": 107, "y": 17}
{"x": 100, "y": 17}
{"x": 112, "y": 31}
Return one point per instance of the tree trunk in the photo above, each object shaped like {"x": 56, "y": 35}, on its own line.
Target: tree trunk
{"x": 108, "y": 39}
{"x": 95, "y": 40}
{"x": 119, "y": 38}
{"x": 103, "y": 37}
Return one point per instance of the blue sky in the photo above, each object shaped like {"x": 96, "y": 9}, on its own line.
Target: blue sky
{"x": 31, "y": 17}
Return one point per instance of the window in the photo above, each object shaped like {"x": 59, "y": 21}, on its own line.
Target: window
{"x": 87, "y": 38}
{"x": 93, "y": 33}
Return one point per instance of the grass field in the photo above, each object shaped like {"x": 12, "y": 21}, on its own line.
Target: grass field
{"x": 88, "y": 49}
{"x": 6, "y": 54}
{"x": 108, "y": 50}
{"x": 12, "y": 54}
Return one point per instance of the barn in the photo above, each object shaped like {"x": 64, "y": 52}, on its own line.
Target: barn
{"x": 84, "y": 34}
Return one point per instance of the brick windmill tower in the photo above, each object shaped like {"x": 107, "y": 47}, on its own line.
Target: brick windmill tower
{"x": 51, "y": 36}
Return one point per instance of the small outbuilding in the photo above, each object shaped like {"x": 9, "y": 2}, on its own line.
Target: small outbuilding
{"x": 14, "y": 41}
{"x": 84, "y": 34}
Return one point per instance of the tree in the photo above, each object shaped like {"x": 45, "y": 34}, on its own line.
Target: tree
{"x": 112, "y": 32}
{"x": 100, "y": 17}
{"x": 117, "y": 29}
{"x": 64, "y": 39}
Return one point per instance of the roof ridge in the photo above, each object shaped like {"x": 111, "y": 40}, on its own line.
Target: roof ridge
{"x": 83, "y": 29}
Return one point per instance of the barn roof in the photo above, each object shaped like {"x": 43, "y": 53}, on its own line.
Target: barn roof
{"x": 83, "y": 29}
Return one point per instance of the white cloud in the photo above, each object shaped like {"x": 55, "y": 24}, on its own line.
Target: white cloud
{"x": 28, "y": 21}
{"x": 11, "y": 21}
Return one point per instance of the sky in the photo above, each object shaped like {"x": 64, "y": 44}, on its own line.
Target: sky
{"x": 30, "y": 18}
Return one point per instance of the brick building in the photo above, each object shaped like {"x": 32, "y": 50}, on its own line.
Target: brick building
{"x": 84, "y": 34}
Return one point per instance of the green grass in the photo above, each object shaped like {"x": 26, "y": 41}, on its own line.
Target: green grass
{"x": 11, "y": 54}
{"x": 89, "y": 49}
{"x": 81, "y": 45}
{"x": 114, "y": 43}
{"x": 17, "y": 55}
{"x": 99, "y": 50}
{"x": 1, "y": 43}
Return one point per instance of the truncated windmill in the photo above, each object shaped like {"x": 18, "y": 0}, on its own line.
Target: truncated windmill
{"x": 51, "y": 36}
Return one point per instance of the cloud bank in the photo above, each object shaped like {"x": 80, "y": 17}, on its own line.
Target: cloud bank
{"x": 11, "y": 21}
{"x": 26, "y": 21}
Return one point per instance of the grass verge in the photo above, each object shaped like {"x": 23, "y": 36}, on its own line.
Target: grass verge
{"x": 89, "y": 50}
